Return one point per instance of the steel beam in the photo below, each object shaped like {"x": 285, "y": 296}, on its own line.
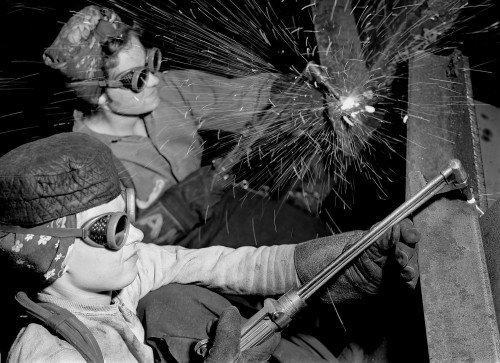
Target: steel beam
{"x": 459, "y": 313}
{"x": 490, "y": 223}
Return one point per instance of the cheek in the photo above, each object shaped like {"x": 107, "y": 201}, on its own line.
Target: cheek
{"x": 94, "y": 265}
{"x": 123, "y": 100}
{"x": 100, "y": 269}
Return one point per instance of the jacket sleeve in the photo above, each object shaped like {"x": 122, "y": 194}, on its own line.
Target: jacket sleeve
{"x": 266, "y": 270}
{"x": 218, "y": 102}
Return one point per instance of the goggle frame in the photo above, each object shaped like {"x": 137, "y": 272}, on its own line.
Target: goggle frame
{"x": 135, "y": 79}
{"x": 86, "y": 231}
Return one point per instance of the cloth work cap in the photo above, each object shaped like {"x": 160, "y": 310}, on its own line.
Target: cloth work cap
{"x": 55, "y": 177}
{"x": 46, "y": 182}
{"x": 77, "y": 51}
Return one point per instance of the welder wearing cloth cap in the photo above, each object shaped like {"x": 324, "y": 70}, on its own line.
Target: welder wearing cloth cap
{"x": 65, "y": 216}
{"x": 150, "y": 120}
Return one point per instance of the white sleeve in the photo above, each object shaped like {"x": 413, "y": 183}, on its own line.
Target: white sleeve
{"x": 267, "y": 270}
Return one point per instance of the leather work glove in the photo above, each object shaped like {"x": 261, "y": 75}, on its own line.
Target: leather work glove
{"x": 394, "y": 253}
{"x": 226, "y": 342}
{"x": 397, "y": 245}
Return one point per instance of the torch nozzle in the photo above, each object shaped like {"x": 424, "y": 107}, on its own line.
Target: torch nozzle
{"x": 456, "y": 175}
{"x": 320, "y": 76}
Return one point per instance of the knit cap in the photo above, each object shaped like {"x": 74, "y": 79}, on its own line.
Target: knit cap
{"x": 46, "y": 183}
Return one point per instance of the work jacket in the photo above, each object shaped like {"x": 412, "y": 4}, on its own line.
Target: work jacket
{"x": 118, "y": 331}
{"x": 190, "y": 100}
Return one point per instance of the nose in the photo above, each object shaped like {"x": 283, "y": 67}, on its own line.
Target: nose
{"x": 152, "y": 80}
{"x": 134, "y": 235}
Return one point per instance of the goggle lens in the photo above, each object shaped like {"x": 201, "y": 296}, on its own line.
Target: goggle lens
{"x": 153, "y": 59}
{"x": 108, "y": 230}
{"x": 121, "y": 232}
{"x": 98, "y": 230}
{"x": 135, "y": 79}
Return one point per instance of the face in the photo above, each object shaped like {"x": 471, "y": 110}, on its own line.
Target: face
{"x": 127, "y": 102}
{"x": 94, "y": 269}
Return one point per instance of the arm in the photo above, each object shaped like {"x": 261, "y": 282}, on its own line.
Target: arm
{"x": 246, "y": 270}
{"x": 219, "y": 102}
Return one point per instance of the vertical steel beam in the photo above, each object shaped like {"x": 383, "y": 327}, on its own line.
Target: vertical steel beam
{"x": 490, "y": 230}
{"x": 458, "y": 306}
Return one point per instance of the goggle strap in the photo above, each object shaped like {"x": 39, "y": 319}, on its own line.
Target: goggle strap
{"x": 130, "y": 201}
{"x": 45, "y": 231}
{"x": 102, "y": 83}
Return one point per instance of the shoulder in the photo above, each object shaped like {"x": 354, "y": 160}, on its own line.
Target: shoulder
{"x": 36, "y": 344}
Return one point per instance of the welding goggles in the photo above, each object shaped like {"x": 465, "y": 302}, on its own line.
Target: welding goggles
{"x": 109, "y": 230}
{"x": 133, "y": 79}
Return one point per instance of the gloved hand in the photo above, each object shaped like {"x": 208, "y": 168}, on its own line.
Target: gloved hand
{"x": 226, "y": 342}
{"x": 395, "y": 251}
{"x": 397, "y": 246}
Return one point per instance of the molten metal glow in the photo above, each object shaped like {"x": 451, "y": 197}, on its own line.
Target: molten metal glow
{"x": 348, "y": 103}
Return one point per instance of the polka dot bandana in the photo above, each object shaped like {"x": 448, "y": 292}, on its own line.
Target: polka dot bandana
{"x": 43, "y": 255}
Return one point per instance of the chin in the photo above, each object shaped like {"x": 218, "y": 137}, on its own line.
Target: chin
{"x": 146, "y": 109}
{"x": 145, "y": 106}
{"x": 123, "y": 282}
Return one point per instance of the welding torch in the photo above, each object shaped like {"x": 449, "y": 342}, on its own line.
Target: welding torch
{"x": 277, "y": 314}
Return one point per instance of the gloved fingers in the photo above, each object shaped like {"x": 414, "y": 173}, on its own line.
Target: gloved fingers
{"x": 395, "y": 235}
{"x": 410, "y": 234}
{"x": 382, "y": 246}
{"x": 405, "y": 248}
{"x": 410, "y": 272}
{"x": 365, "y": 274}
{"x": 410, "y": 276}
{"x": 403, "y": 254}
{"x": 262, "y": 352}
{"x": 226, "y": 342}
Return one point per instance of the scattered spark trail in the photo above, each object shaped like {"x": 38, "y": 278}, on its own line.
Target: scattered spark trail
{"x": 299, "y": 140}
{"x": 303, "y": 137}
